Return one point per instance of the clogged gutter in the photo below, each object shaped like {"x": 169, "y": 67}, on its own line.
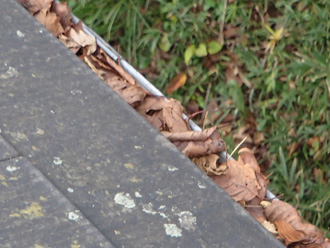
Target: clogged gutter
{"x": 241, "y": 178}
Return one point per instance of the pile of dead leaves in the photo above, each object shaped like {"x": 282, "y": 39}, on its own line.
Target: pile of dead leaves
{"x": 241, "y": 179}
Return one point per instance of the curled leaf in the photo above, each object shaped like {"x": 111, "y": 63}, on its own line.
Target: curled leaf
{"x": 197, "y": 144}
{"x": 210, "y": 164}
{"x": 291, "y": 226}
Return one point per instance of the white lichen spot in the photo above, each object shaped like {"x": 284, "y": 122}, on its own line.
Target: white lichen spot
{"x": 161, "y": 207}
{"x": 187, "y": 220}
{"x": 129, "y": 166}
{"x": 18, "y": 136}
{"x": 201, "y": 186}
{"x": 12, "y": 168}
{"x": 75, "y": 244}
{"x": 32, "y": 212}
{"x": 40, "y": 131}
{"x": 70, "y": 190}
{"x": 117, "y": 232}
{"x": 11, "y": 72}
{"x": 124, "y": 200}
{"x": 57, "y": 161}
{"x": 135, "y": 180}
{"x": 42, "y": 198}
{"x": 20, "y": 34}
{"x": 75, "y": 92}
{"x": 137, "y": 194}
{"x": 172, "y": 230}
{"x": 147, "y": 208}
{"x": 34, "y": 148}
{"x": 138, "y": 147}
{"x": 73, "y": 216}
{"x": 172, "y": 168}
{"x": 163, "y": 215}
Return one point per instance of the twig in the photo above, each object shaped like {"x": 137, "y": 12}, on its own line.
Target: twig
{"x": 328, "y": 85}
{"x": 222, "y": 25}
{"x": 238, "y": 146}
{"x": 204, "y": 121}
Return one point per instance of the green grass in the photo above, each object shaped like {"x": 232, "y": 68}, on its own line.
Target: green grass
{"x": 283, "y": 54}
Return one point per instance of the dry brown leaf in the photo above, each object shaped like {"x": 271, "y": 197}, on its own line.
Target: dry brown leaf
{"x": 210, "y": 165}
{"x": 118, "y": 68}
{"x": 63, "y": 13}
{"x": 83, "y": 40}
{"x": 231, "y": 32}
{"x": 91, "y": 65}
{"x": 288, "y": 233}
{"x": 255, "y": 209}
{"x": 269, "y": 226}
{"x": 164, "y": 114}
{"x": 282, "y": 211}
{"x": 176, "y": 82}
{"x": 50, "y": 21}
{"x": 258, "y": 138}
{"x": 240, "y": 182}
{"x": 69, "y": 43}
{"x": 197, "y": 144}
{"x": 34, "y": 6}
{"x": 247, "y": 157}
{"x": 132, "y": 94}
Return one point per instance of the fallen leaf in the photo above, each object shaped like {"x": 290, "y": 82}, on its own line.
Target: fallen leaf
{"x": 50, "y": 21}
{"x": 288, "y": 233}
{"x": 289, "y": 220}
{"x": 197, "y": 144}
{"x": 269, "y": 226}
{"x": 64, "y": 14}
{"x": 176, "y": 82}
{"x": 240, "y": 182}
{"x": 231, "y": 32}
{"x": 83, "y": 40}
{"x": 34, "y": 6}
{"x": 118, "y": 68}
{"x": 132, "y": 94}
{"x": 256, "y": 210}
{"x": 247, "y": 157}
{"x": 210, "y": 165}
{"x": 164, "y": 114}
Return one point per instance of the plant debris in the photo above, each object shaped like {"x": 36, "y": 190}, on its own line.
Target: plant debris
{"x": 241, "y": 179}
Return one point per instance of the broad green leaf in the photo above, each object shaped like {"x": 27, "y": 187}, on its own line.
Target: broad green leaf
{"x": 164, "y": 43}
{"x": 190, "y": 50}
{"x": 201, "y": 50}
{"x": 214, "y": 47}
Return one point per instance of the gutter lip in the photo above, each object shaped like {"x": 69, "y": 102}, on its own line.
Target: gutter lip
{"x": 144, "y": 83}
